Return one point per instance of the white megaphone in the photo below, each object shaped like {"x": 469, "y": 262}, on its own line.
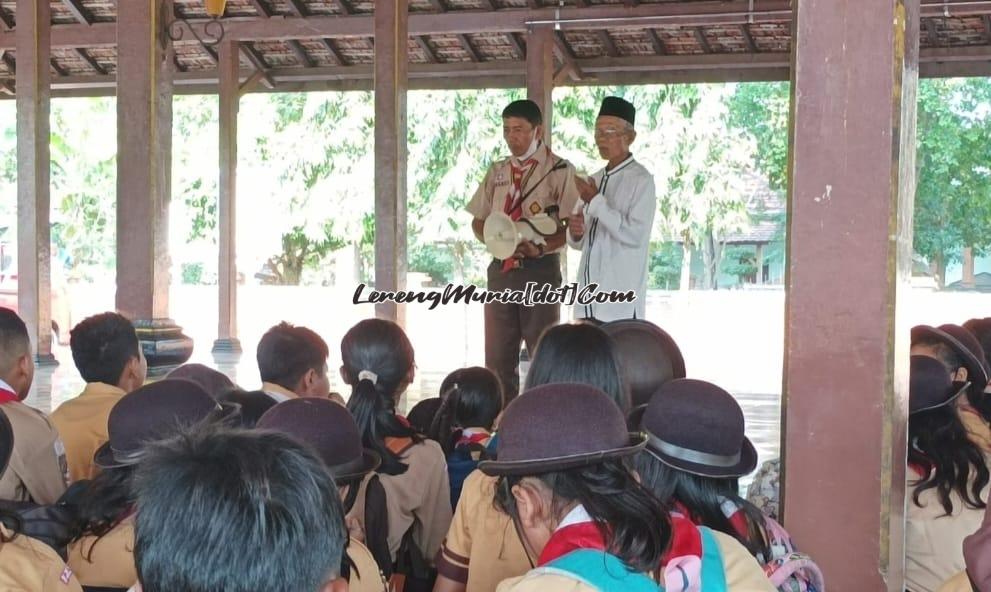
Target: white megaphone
{"x": 502, "y": 235}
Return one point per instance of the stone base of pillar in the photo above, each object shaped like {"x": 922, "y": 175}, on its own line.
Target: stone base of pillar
{"x": 164, "y": 345}
{"x": 45, "y": 361}
{"x": 227, "y": 346}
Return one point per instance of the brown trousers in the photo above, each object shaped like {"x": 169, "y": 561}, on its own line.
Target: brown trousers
{"x": 507, "y": 325}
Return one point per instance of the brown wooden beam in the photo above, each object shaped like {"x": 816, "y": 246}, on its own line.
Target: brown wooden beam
{"x": 33, "y": 174}
{"x": 567, "y": 56}
{"x": 335, "y": 52}
{"x": 8, "y": 22}
{"x": 230, "y": 96}
{"x": 300, "y": 52}
{"x": 986, "y": 21}
{"x": 78, "y": 11}
{"x": 657, "y": 42}
{"x": 343, "y": 7}
{"x": 427, "y": 50}
{"x": 256, "y": 59}
{"x": 517, "y": 45}
{"x": 749, "y": 39}
{"x": 82, "y": 53}
{"x": 178, "y": 65}
{"x": 607, "y": 44}
{"x": 703, "y": 42}
{"x": 57, "y": 68}
{"x": 931, "y": 34}
{"x": 540, "y": 74}
{"x": 9, "y": 60}
{"x": 210, "y": 52}
{"x": 469, "y": 48}
{"x": 297, "y": 7}
{"x": 438, "y": 5}
{"x": 262, "y": 10}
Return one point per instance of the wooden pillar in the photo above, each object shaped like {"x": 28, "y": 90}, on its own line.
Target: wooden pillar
{"x": 391, "y": 83}
{"x": 34, "y": 303}
{"x": 852, "y": 167}
{"x": 760, "y": 264}
{"x": 540, "y": 73}
{"x": 144, "y": 165}
{"x": 229, "y": 70}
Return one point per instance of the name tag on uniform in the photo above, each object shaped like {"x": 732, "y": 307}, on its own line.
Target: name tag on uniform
{"x": 501, "y": 179}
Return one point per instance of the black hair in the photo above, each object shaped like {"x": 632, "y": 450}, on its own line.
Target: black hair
{"x": 473, "y": 400}
{"x": 941, "y": 449}
{"x": 421, "y": 416}
{"x": 286, "y": 353}
{"x": 524, "y": 109}
{"x": 251, "y": 405}
{"x": 981, "y": 328}
{"x": 581, "y": 353}
{"x": 634, "y": 524}
{"x": 702, "y": 497}
{"x": 102, "y": 346}
{"x": 107, "y": 500}
{"x": 214, "y": 502}
{"x": 14, "y": 339}
{"x": 382, "y": 348}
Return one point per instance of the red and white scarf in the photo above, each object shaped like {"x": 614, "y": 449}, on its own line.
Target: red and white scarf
{"x": 514, "y": 199}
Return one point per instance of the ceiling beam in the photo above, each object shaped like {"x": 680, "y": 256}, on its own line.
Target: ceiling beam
{"x": 5, "y": 18}
{"x": 703, "y": 42}
{"x": 931, "y": 33}
{"x": 469, "y": 48}
{"x": 9, "y": 60}
{"x": 297, "y": 7}
{"x": 342, "y": 6}
{"x": 748, "y": 38}
{"x": 251, "y": 54}
{"x": 334, "y": 52}
{"x": 607, "y": 44}
{"x": 428, "y": 51}
{"x": 567, "y": 57}
{"x": 986, "y": 19}
{"x": 438, "y": 5}
{"x": 300, "y": 52}
{"x": 82, "y": 53}
{"x": 78, "y": 11}
{"x": 262, "y": 10}
{"x": 58, "y": 69}
{"x": 657, "y": 42}
{"x": 517, "y": 45}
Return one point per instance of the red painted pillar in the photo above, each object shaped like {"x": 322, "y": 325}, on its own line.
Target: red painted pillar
{"x": 852, "y": 168}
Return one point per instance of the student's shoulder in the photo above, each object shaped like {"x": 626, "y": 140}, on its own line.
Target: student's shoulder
{"x": 542, "y": 580}
{"x": 743, "y": 573}
{"x": 23, "y": 415}
{"x": 428, "y": 450}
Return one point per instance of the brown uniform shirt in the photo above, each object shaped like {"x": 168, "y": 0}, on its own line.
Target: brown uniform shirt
{"x": 545, "y": 188}
{"x": 368, "y": 577}
{"x": 107, "y": 561}
{"x": 482, "y": 547}
{"x": 82, "y": 424}
{"x": 27, "y": 565}
{"x": 37, "y": 468}
{"x": 419, "y": 498}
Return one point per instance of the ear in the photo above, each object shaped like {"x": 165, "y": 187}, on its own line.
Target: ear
{"x": 529, "y": 504}
{"x": 960, "y": 375}
{"x": 25, "y": 364}
{"x": 131, "y": 375}
{"x": 336, "y": 585}
{"x": 633, "y": 136}
{"x": 307, "y": 380}
{"x": 539, "y": 131}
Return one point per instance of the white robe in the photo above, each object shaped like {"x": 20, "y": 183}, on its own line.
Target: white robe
{"x": 616, "y": 242}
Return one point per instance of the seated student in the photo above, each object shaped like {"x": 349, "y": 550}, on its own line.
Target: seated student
{"x": 230, "y": 510}
{"x": 292, "y": 362}
{"x": 330, "y": 430}
{"x": 101, "y": 553}
{"x": 37, "y": 467}
{"x": 948, "y": 479}
{"x": 108, "y": 356}
{"x": 965, "y": 361}
{"x": 648, "y": 356}
{"x": 422, "y": 415}
{"x": 696, "y": 450}
{"x": 251, "y": 406}
{"x": 378, "y": 364}
{"x": 214, "y": 382}
{"x": 585, "y": 519}
{"x": 576, "y": 352}
{"x": 26, "y": 564}
{"x": 464, "y": 423}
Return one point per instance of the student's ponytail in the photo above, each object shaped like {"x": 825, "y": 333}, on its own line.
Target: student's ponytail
{"x": 376, "y": 419}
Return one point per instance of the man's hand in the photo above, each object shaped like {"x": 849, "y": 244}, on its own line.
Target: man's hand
{"x": 527, "y": 250}
{"x": 586, "y": 189}
{"x": 576, "y": 226}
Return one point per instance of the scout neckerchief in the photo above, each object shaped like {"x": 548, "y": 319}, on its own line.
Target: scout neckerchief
{"x": 7, "y": 396}
{"x": 473, "y": 436}
{"x": 681, "y": 566}
{"x": 514, "y": 199}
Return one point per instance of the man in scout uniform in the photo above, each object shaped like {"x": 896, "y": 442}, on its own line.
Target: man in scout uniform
{"x": 107, "y": 353}
{"x": 522, "y": 186}
{"x": 613, "y": 230}
{"x": 292, "y": 362}
{"x": 37, "y": 468}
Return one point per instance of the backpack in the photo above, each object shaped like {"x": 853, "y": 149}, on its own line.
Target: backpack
{"x": 788, "y": 569}
{"x": 460, "y": 463}
{"x": 51, "y": 525}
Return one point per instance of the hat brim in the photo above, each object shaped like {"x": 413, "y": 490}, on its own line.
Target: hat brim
{"x": 961, "y": 388}
{"x": 104, "y": 458}
{"x": 974, "y": 366}
{"x": 746, "y": 465}
{"x": 369, "y": 461}
{"x": 498, "y": 468}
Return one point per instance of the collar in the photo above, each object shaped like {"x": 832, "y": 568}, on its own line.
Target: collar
{"x": 7, "y": 393}
{"x": 278, "y": 392}
{"x": 576, "y": 531}
{"x": 626, "y": 162}
{"x": 523, "y": 159}
{"x": 101, "y": 389}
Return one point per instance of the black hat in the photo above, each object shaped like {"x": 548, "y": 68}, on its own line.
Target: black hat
{"x": 965, "y": 346}
{"x": 6, "y": 442}
{"x": 152, "y": 412}
{"x": 648, "y": 355}
{"x": 329, "y": 428}
{"x": 554, "y": 427}
{"x": 524, "y": 109}
{"x": 981, "y": 328}
{"x": 617, "y": 107}
{"x": 699, "y": 428}
{"x": 215, "y": 383}
{"x": 931, "y": 386}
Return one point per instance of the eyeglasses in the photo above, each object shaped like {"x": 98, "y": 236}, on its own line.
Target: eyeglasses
{"x": 609, "y": 132}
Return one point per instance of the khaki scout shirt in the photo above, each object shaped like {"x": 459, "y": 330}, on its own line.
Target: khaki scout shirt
{"x": 557, "y": 188}
{"x": 27, "y": 565}
{"x": 106, "y": 561}
{"x": 37, "y": 466}
{"x": 368, "y": 577}
{"x": 82, "y": 424}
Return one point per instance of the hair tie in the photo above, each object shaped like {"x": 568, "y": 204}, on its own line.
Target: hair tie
{"x": 368, "y": 375}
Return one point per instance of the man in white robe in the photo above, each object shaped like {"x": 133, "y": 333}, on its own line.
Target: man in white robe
{"x": 612, "y": 229}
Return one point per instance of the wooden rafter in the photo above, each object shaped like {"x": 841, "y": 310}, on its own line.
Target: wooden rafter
{"x": 300, "y": 52}
{"x": 252, "y": 55}
{"x": 469, "y": 48}
{"x": 210, "y": 52}
{"x": 581, "y": 3}
{"x": 986, "y": 19}
{"x": 58, "y": 69}
{"x": 608, "y": 44}
{"x": 6, "y": 20}
{"x": 517, "y": 45}
{"x": 178, "y": 66}
{"x": 567, "y": 57}
{"x": 931, "y": 33}
{"x": 487, "y": 5}
{"x": 343, "y": 7}
{"x": 297, "y": 7}
{"x": 632, "y": 2}
{"x": 533, "y": 3}
{"x": 438, "y": 5}
{"x": 262, "y": 10}
{"x": 334, "y": 51}
{"x": 427, "y": 50}
{"x": 82, "y": 53}
{"x": 9, "y": 60}
{"x": 748, "y": 38}
{"x": 78, "y": 11}
{"x": 657, "y": 42}
{"x": 700, "y": 37}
